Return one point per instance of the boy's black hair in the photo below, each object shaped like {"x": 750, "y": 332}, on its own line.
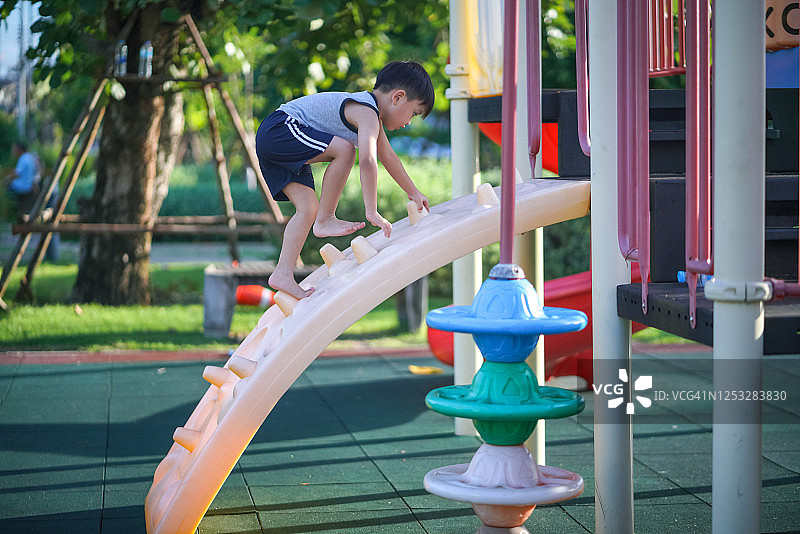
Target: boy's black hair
{"x": 409, "y": 76}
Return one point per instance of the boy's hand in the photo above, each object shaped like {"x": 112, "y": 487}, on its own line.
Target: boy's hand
{"x": 377, "y": 220}
{"x": 420, "y": 199}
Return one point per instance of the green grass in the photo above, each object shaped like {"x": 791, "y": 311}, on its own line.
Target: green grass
{"x": 92, "y": 327}
{"x": 175, "y": 321}
{"x": 658, "y": 337}
{"x": 52, "y": 284}
{"x": 174, "y": 324}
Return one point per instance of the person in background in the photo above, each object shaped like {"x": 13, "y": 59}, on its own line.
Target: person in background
{"x": 23, "y": 181}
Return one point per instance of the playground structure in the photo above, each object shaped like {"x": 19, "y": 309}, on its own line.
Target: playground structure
{"x": 622, "y": 112}
{"x": 291, "y": 334}
{"x": 505, "y": 402}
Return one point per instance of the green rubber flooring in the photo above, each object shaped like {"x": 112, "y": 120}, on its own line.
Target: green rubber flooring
{"x": 344, "y": 451}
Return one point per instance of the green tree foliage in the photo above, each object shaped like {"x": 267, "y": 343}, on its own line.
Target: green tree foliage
{"x": 558, "y": 44}
{"x": 292, "y": 47}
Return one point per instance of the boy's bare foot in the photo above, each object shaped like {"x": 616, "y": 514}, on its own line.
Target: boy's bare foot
{"x": 333, "y": 226}
{"x": 287, "y": 284}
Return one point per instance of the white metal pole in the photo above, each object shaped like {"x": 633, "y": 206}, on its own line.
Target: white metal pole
{"x": 738, "y": 289}
{"x": 467, "y": 273}
{"x": 613, "y": 438}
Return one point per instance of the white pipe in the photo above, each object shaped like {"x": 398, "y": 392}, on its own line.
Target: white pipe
{"x": 613, "y": 439}
{"x": 467, "y": 273}
{"x": 737, "y": 288}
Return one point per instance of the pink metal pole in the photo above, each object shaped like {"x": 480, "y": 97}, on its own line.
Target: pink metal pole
{"x": 705, "y": 139}
{"x": 642, "y": 138}
{"x": 698, "y": 150}
{"x": 666, "y": 27}
{"x": 634, "y": 137}
{"x": 508, "y": 129}
{"x": 660, "y": 31}
{"x": 534, "y": 82}
{"x": 681, "y": 44}
{"x": 633, "y": 124}
{"x": 670, "y": 36}
{"x": 706, "y": 175}
{"x": 623, "y": 156}
{"x": 581, "y": 68}
{"x": 692, "y": 149}
{"x": 652, "y": 35}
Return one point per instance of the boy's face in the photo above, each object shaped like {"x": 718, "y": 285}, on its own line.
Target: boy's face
{"x": 401, "y": 111}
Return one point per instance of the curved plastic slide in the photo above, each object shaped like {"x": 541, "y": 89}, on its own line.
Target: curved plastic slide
{"x": 291, "y": 334}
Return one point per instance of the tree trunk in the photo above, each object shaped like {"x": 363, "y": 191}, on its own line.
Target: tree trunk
{"x": 137, "y": 154}
{"x": 114, "y": 269}
{"x": 169, "y": 142}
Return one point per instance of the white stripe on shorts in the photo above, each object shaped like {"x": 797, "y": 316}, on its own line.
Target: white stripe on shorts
{"x": 303, "y": 138}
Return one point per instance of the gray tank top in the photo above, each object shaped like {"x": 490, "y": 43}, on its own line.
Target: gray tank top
{"x": 325, "y": 112}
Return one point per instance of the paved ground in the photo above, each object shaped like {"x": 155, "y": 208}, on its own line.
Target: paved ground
{"x": 344, "y": 451}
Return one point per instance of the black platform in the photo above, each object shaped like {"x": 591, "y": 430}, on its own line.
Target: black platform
{"x": 667, "y": 128}
{"x": 668, "y": 310}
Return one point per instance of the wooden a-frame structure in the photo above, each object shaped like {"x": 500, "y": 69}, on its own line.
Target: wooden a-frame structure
{"x": 88, "y": 123}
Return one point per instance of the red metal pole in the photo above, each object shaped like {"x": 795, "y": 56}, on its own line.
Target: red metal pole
{"x": 681, "y": 44}
{"x": 534, "y": 80}
{"x": 652, "y": 35}
{"x": 668, "y": 36}
{"x": 692, "y": 149}
{"x": 704, "y": 238}
{"x": 642, "y": 148}
{"x": 699, "y": 259}
{"x": 509, "y": 127}
{"x": 623, "y": 173}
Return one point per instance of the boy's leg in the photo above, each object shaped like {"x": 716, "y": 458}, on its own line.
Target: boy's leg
{"x": 294, "y": 235}
{"x": 341, "y": 155}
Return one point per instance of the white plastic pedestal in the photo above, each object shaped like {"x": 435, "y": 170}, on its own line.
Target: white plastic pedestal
{"x": 504, "y": 485}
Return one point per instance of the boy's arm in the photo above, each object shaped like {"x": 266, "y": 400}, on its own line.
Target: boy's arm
{"x": 369, "y": 127}
{"x": 398, "y": 173}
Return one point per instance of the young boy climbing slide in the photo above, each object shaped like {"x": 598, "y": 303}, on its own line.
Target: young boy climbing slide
{"x": 328, "y": 127}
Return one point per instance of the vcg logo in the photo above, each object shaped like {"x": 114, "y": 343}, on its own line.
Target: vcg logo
{"x": 642, "y": 383}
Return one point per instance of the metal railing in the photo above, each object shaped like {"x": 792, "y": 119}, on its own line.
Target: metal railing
{"x": 665, "y": 60}
{"x": 650, "y": 43}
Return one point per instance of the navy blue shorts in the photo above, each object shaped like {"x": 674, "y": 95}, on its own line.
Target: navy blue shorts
{"x": 283, "y": 146}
